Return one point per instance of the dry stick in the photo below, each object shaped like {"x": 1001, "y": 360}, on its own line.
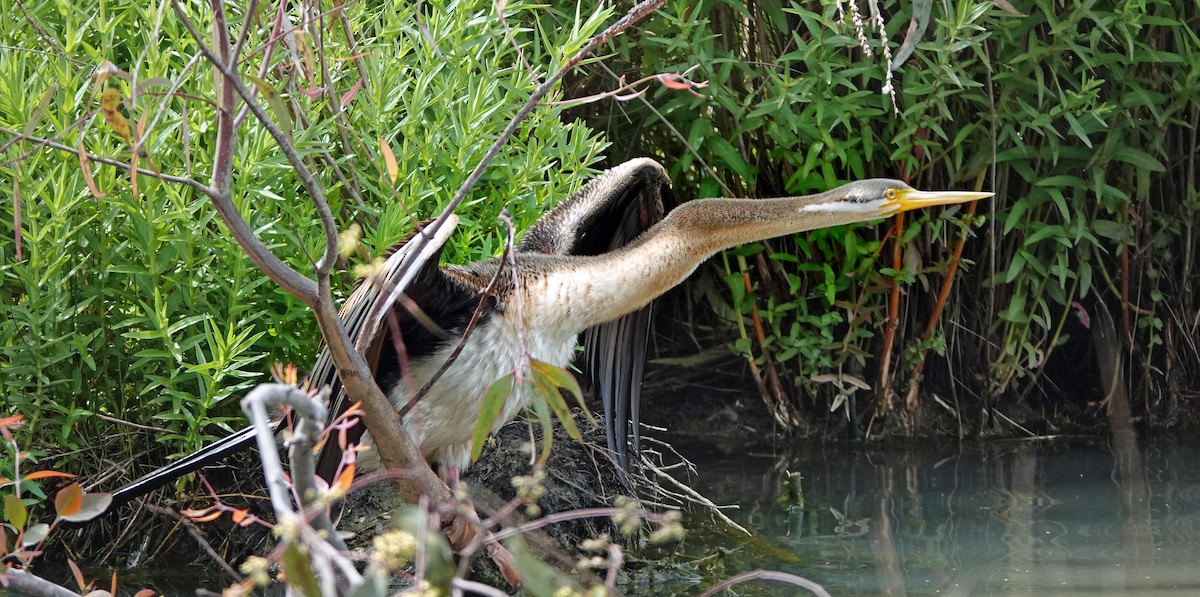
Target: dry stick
{"x": 882, "y": 401}
{"x": 792, "y": 579}
{"x": 197, "y": 535}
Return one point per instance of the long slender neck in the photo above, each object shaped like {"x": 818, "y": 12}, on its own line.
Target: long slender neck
{"x": 591, "y": 290}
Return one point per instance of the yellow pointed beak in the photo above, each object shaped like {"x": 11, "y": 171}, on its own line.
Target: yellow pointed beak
{"x": 906, "y": 199}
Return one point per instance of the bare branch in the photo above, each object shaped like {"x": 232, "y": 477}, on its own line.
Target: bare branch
{"x": 195, "y": 184}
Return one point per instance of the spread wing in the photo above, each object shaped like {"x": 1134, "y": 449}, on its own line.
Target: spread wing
{"x": 611, "y": 211}
{"x": 443, "y": 306}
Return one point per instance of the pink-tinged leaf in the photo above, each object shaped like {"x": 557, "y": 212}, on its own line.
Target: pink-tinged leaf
{"x": 204, "y": 515}
{"x": 1082, "y": 314}
{"x": 92, "y": 505}
{"x": 68, "y": 500}
{"x": 15, "y": 511}
{"x": 343, "y": 481}
{"x": 493, "y": 402}
{"x": 389, "y": 160}
{"x": 145, "y": 593}
{"x": 313, "y": 93}
{"x": 1008, "y": 8}
{"x": 77, "y": 574}
{"x": 349, "y": 95}
{"x": 35, "y": 534}
{"x": 673, "y": 83}
{"x": 12, "y": 422}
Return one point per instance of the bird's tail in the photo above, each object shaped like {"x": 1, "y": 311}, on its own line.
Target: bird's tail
{"x": 205, "y": 456}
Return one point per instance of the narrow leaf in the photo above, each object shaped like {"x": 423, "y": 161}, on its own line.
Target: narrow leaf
{"x": 86, "y": 168}
{"x": 544, "y": 390}
{"x": 349, "y": 95}
{"x": 493, "y": 401}
{"x": 389, "y": 160}
{"x": 40, "y": 111}
{"x": 77, "y": 574}
{"x": 275, "y": 102}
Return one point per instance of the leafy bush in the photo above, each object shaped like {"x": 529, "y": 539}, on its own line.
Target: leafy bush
{"x": 133, "y": 301}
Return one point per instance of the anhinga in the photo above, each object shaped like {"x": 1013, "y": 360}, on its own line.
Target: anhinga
{"x": 591, "y": 266}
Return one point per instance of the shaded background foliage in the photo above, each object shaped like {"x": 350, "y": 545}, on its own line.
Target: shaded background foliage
{"x": 1082, "y": 118}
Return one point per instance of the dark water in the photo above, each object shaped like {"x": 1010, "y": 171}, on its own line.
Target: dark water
{"x": 1005, "y": 518}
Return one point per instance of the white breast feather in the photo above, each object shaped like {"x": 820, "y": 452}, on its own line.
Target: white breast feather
{"x": 444, "y": 420}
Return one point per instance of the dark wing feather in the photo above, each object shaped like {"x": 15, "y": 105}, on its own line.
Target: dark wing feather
{"x": 611, "y": 211}
{"x": 445, "y": 301}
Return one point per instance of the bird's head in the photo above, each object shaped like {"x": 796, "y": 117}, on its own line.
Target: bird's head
{"x": 882, "y": 197}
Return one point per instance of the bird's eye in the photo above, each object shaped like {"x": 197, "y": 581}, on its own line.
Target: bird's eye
{"x": 890, "y": 194}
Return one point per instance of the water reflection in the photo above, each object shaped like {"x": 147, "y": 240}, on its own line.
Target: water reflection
{"x": 1066, "y": 517}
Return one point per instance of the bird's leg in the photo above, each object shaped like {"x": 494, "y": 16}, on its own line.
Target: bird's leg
{"x": 449, "y": 475}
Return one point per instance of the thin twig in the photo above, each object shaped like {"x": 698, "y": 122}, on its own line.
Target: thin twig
{"x": 195, "y": 184}
{"x": 791, "y": 579}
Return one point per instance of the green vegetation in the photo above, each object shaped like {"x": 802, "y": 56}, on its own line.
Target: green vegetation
{"x": 136, "y": 304}
{"x": 124, "y": 300}
{"x": 1081, "y": 117}
{"x": 131, "y": 301}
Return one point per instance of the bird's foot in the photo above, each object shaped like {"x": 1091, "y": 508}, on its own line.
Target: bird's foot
{"x": 462, "y": 532}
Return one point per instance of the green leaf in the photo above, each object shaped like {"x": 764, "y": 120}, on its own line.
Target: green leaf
{"x": 537, "y": 578}
{"x": 545, "y": 391}
{"x": 35, "y": 534}
{"x": 299, "y": 570}
{"x": 275, "y": 102}
{"x": 1138, "y": 158}
{"x": 561, "y": 378}
{"x": 493, "y": 402}
{"x": 15, "y": 511}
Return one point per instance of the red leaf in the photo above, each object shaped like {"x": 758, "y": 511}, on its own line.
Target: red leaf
{"x": 35, "y": 475}
{"x": 68, "y": 500}
{"x": 349, "y": 95}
